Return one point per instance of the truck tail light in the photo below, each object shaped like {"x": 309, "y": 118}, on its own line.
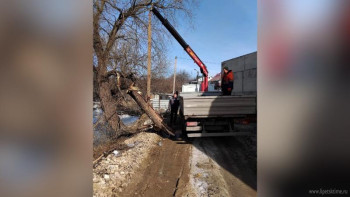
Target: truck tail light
{"x": 192, "y": 124}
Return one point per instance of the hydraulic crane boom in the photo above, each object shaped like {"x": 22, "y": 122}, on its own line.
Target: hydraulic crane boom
{"x": 187, "y": 48}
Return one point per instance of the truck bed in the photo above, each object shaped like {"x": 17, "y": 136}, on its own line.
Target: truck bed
{"x": 210, "y": 104}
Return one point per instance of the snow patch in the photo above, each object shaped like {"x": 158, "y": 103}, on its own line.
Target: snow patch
{"x": 205, "y": 178}
{"x": 196, "y": 179}
{"x": 115, "y": 152}
{"x": 97, "y": 112}
{"x": 113, "y": 173}
{"x": 128, "y": 119}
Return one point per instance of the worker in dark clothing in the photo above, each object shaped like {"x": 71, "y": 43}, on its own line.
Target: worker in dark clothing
{"x": 174, "y": 104}
{"x": 227, "y": 81}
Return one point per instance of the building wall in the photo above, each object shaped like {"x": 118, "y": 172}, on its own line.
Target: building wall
{"x": 191, "y": 88}
{"x": 244, "y": 72}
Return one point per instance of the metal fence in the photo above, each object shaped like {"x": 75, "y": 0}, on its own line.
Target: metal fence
{"x": 160, "y": 104}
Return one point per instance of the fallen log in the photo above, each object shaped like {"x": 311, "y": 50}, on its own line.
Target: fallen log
{"x": 157, "y": 120}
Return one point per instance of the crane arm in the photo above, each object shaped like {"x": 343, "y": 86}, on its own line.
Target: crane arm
{"x": 185, "y": 46}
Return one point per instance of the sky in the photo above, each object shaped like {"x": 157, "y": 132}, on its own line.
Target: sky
{"x": 222, "y": 30}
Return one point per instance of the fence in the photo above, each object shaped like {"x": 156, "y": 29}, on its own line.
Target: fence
{"x": 160, "y": 104}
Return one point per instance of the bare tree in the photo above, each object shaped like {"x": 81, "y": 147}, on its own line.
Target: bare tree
{"x": 164, "y": 84}
{"x": 119, "y": 37}
{"x": 182, "y": 77}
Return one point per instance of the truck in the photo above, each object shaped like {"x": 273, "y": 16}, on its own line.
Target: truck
{"x": 210, "y": 114}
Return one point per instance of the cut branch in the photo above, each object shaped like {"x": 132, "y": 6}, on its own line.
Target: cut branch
{"x": 157, "y": 120}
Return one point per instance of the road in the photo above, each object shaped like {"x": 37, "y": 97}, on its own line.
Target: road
{"x": 202, "y": 167}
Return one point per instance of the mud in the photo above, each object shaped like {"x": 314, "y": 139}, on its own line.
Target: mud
{"x": 164, "y": 173}
{"x": 200, "y": 167}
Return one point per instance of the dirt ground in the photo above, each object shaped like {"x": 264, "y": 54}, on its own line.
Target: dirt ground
{"x": 162, "y": 171}
{"x": 224, "y": 166}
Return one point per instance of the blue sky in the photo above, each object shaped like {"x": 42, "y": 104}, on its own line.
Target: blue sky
{"x": 223, "y": 29}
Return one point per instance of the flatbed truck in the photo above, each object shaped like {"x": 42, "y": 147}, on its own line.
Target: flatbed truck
{"x": 209, "y": 114}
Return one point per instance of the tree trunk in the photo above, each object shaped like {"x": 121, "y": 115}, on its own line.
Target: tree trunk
{"x": 108, "y": 103}
{"x": 109, "y": 106}
{"x": 157, "y": 120}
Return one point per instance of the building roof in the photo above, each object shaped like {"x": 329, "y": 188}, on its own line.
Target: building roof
{"x": 216, "y": 77}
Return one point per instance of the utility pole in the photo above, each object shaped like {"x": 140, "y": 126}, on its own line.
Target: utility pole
{"x": 174, "y": 75}
{"x": 149, "y": 56}
{"x": 197, "y": 77}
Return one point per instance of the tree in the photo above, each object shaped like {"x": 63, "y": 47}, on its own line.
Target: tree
{"x": 119, "y": 36}
{"x": 164, "y": 84}
{"x": 182, "y": 77}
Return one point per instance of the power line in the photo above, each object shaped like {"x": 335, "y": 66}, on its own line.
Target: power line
{"x": 206, "y": 62}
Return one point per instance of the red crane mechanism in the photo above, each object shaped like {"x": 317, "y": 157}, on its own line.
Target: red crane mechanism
{"x": 187, "y": 48}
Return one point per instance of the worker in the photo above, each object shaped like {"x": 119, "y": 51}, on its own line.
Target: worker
{"x": 174, "y": 104}
{"x": 227, "y": 81}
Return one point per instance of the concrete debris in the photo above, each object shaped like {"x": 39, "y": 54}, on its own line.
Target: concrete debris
{"x": 112, "y": 173}
{"x": 115, "y": 152}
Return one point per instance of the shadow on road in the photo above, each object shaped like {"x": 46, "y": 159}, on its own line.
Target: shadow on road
{"x": 237, "y": 155}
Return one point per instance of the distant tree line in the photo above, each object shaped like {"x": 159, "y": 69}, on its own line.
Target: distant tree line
{"x": 163, "y": 84}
